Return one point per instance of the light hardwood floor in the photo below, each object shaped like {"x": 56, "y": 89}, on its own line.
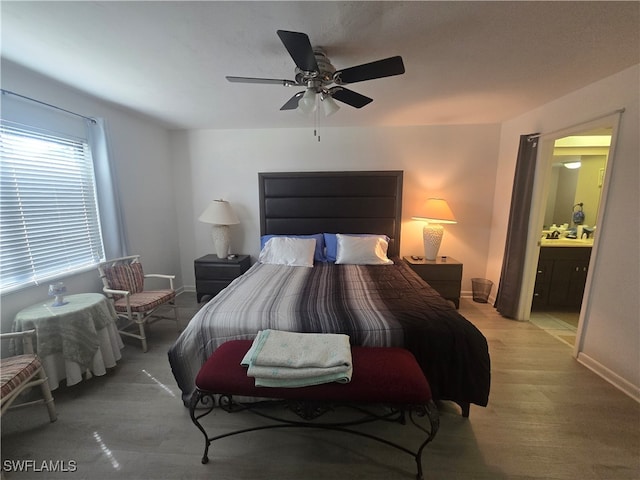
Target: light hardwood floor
{"x": 548, "y": 418}
{"x": 562, "y": 325}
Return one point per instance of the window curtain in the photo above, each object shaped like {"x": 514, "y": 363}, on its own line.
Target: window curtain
{"x": 113, "y": 231}
{"x": 510, "y": 285}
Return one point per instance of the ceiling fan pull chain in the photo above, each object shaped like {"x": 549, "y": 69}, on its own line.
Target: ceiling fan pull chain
{"x": 316, "y": 130}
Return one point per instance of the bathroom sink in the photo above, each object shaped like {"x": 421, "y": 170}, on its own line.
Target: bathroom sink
{"x": 567, "y": 242}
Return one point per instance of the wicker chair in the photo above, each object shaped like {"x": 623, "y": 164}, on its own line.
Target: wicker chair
{"x": 123, "y": 281}
{"x": 23, "y": 372}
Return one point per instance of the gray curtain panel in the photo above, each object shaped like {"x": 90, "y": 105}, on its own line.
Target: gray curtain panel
{"x": 510, "y": 284}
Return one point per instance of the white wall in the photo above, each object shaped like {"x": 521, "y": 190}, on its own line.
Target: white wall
{"x": 139, "y": 148}
{"x": 611, "y": 336}
{"x": 454, "y": 162}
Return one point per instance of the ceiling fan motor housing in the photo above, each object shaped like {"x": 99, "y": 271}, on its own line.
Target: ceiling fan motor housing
{"x": 323, "y": 76}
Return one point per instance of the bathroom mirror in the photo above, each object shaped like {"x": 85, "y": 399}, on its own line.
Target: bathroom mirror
{"x": 577, "y": 176}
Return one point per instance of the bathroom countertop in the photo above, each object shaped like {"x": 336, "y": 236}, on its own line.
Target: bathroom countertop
{"x": 566, "y": 242}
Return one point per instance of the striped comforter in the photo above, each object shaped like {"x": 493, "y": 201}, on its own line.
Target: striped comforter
{"x": 382, "y": 305}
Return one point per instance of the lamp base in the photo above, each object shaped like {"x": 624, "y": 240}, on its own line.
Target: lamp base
{"x": 432, "y": 237}
{"x": 220, "y": 236}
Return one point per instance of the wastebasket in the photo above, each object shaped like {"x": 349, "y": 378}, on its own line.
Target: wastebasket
{"x": 481, "y": 289}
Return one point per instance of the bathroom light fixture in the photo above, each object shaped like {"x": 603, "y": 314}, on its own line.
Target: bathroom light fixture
{"x": 572, "y": 165}
{"x": 220, "y": 215}
{"x": 435, "y": 212}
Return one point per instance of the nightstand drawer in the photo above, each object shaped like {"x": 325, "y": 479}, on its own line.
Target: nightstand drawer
{"x": 211, "y": 287}
{"x": 439, "y": 272}
{"x": 446, "y": 289}
{"x": 213, "y": 274}
{"x": 219, "y": 272}
{"x": 444, "y": 275}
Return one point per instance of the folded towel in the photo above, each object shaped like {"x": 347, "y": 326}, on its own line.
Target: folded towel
{"x": 296, "y": 373}
{"x": 304, "y": 382}
{"x": 291, "y": 359}
{"x": 299, "y": 350}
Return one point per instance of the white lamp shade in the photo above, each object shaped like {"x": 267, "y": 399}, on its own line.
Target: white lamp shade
{"x": 219, "y": 212}
{"x": 436, "y": 210}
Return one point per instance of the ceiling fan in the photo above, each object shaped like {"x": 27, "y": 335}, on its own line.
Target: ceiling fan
{"x": 315, "y": 72}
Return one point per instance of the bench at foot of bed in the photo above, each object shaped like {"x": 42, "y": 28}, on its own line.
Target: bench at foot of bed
{"x": 387, "y": 384}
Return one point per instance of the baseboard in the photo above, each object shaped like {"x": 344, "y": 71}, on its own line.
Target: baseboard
{"x": 186, "y": 288}
{"x": 469, "y": 294}
{"x": 613, "y": 378}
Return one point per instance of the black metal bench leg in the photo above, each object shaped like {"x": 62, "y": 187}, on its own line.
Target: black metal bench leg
{"x": 208, "y": 401}
{"x": 431, "y": 411}
{"x": 196, "y": 398}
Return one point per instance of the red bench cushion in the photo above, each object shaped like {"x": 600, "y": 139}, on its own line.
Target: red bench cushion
{"x": 380, "y": 375}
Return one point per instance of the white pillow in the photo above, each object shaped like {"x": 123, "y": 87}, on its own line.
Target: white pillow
{"x": 370, "y": 250}
{"x": 295, "y": 252}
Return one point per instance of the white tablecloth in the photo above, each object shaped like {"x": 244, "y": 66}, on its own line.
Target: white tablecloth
{"x": 78, "y": 338}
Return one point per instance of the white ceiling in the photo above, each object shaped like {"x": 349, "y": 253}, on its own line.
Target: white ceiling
{"x": 466, "y": 62}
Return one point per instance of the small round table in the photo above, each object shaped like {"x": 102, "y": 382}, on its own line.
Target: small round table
{"x": 78, "y": 337}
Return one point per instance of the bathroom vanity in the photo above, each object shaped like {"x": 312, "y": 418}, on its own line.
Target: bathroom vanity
{"x": 563, "y": 265}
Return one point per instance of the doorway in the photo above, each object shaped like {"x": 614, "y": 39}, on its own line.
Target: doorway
{"x": 542, "y": 186}
{"x": 571, "y": 213}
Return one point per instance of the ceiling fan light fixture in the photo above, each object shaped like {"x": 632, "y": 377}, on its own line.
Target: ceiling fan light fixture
{"x": 329, "y": 105}
{"x": 307, "y": 104}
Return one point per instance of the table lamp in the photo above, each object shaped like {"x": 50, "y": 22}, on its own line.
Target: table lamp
{"x": 435, "y": 212}
{"x": 220, "y": 215}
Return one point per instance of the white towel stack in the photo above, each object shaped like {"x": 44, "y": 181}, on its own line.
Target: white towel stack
{"x": 290, "y": 359}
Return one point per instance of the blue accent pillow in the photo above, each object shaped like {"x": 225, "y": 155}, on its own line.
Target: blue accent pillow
{"x": 318, "y": 254}
{"x": 331, "y": 243}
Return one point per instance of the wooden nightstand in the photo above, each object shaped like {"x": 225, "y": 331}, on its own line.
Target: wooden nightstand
{"x": 213, "y": 273}
{"x": 443, "y": 274}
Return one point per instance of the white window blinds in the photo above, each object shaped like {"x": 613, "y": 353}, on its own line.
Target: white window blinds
{"x": 49, "y": 224}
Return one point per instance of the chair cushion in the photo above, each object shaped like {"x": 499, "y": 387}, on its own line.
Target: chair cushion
{"x": 14, "y": 371}
{"x": 380, "y": 375}
{"x": 128, "y": 277}
{"x": 144, "y": 301}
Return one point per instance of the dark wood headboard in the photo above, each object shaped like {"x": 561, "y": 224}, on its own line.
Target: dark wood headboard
{"x": 301, "y": 203}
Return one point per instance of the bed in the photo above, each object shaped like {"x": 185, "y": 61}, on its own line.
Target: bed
{"x": 376, "y": 305}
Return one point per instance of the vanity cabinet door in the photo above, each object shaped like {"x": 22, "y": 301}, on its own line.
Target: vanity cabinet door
{"x": 543, "y": 283}
{"x": 576, "y": 284}
{"x": 567, "y": 283}
{"x": 563, "y": 272}
{"x": 561, "y": 277}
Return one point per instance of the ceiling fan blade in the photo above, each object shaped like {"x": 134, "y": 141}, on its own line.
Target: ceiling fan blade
{"x": 349, "y": 97}
{"x": 270, "y": 81}
{"x": 292, "y": 103}
{"x": 299, "y": 47}
{"x": 369, "y": 71}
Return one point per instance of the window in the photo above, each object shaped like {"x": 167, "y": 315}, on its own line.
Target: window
{"x": 49, "y": 223}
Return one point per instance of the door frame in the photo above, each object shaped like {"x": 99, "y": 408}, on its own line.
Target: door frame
{"x": 541, "y": 185}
